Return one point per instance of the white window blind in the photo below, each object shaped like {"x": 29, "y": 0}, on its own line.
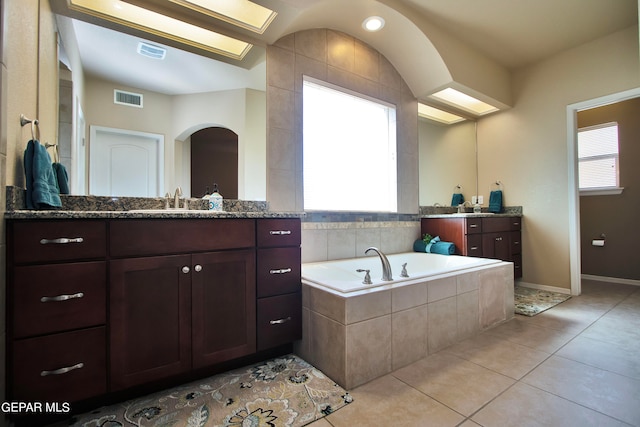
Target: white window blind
{"x": 598, "y": 165}
{"x": 349, "y": 151}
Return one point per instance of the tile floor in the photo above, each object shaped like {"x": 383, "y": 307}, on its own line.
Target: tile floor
{"x": 577, "y": 364}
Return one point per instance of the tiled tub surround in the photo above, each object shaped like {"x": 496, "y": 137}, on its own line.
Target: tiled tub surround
{"x": 366, "y": 334}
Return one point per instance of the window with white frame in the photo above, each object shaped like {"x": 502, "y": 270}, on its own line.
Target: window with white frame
{"x": 349, "y": 150}
{"x": 598, "y": 157}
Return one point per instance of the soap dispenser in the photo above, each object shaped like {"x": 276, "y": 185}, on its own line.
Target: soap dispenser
{"x": 477, "y": 208}
{"x": 215, "y": 200}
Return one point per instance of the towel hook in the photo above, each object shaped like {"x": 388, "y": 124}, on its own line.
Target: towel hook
{"x": 496, "y": 185}
{"x": 34, "y": 126}
{"x": 56, "y": 154}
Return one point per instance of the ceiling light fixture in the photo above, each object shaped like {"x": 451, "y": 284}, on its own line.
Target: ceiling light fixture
{"x": 463, "y": 101}
{"x": 163, "y": 26}
{"x": 438, "y": 115}
{"x": 241, "y": 13}
{"x": 373, "y": 23}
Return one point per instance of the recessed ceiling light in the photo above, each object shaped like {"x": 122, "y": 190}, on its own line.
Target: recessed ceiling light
{"x": 373, "y": 23}
{"x": 163, "y": 26}
{"x": 432, "y": 113}
{"x": 463, "y": 101}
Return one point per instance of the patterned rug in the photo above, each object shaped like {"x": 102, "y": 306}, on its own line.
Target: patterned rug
{"x": 285, "y": 391}
{"x": 530, "y": 302}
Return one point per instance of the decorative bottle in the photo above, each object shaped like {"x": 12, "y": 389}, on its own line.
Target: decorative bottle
{"x": 215, "y": 200}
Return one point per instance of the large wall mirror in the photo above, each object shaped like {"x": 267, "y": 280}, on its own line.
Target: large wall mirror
{"x": 448, "y": 158}
{"x": 106, "y": 83}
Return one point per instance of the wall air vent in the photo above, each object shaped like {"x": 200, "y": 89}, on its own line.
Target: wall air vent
{"x": 127, "y": 98}
{"x": 151, "y": 51}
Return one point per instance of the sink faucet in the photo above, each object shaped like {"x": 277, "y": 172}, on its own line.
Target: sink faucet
{"x": 386, "y": 268}
{"x": 176, "y": 198}
{"x": 463, "y": 205}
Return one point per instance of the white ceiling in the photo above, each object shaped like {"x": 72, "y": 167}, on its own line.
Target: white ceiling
{"x": 513, "y": 33}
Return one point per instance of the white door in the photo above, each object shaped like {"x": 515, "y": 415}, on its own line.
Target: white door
{"x": 125, "y": 163}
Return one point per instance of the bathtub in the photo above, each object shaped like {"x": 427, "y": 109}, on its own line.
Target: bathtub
{"x": 355, "y": 333}
{"x": 341, "y": 275}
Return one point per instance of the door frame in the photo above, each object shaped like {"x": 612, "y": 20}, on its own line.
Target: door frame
{"x": 574, "y": 193}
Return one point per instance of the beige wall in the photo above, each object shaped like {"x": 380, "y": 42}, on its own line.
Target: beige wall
{"x": 614, "y": 215}
{"x": 342, "y": 60}
{"x": 526, "y": 147}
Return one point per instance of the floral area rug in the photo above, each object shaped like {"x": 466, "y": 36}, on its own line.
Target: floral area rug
{"x": 285, "y": 391}
{"x": 530, "y": 302}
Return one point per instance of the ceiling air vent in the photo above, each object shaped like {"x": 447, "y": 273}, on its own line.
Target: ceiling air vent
{"x": 151, "y": 51}
{"x": 127, "y": 98}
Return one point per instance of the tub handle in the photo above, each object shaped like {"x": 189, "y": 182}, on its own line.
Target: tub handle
{"x": 367, "y": 276}
{"x": 280, "y": 271}
{"x": 279, "y": 321}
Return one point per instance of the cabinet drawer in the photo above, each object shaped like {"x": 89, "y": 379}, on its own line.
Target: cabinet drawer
{"x": 62, "y": 367}
{"x": 131, "y": 237}
{"x": 278, "y": 271}
{"x": 45, "y": 241}
{"x": 279, "y": 320}
{"x": 493, "y": 225}
{"x": 516, "y": 245}
{"x": 58, "y": 297}
{"x": 473, "y": 225}
{"x": 278, "y": 232}
{"x": 474, "y": 245}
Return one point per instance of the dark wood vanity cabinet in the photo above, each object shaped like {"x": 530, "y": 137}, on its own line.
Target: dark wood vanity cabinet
{"x": 134, "y": 301}
{"x": 56, "y": 310}
{"x": 488, "y": 237}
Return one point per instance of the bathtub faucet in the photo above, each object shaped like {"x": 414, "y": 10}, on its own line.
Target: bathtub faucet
{"x": 386, "y": 267}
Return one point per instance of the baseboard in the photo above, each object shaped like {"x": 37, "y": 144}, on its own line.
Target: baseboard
{"x": 611, "y": 279}
{"x": 543, "y": 287}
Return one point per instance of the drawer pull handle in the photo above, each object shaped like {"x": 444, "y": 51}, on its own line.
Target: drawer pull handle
{"x": 279, "y": 232}
{"x": 279, "y": 321}
{"x": 61, "y": 297}
{"x": 280, "y": 271}
{"x": 474, "y": 248}
{"x": 61, "y": 241}
{"x": 473, "y": 225}
{"x": 62, "y": 370}
{"x": 516, "y": 224}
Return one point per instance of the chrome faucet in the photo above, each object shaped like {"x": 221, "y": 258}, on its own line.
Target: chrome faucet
{"x": 386, "y": 267}
{"x": 176, "y": 198}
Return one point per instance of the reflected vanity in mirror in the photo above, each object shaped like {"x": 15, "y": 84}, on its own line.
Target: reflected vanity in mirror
{"x": 107, "y": 83}
{"x": 448, "y": 158}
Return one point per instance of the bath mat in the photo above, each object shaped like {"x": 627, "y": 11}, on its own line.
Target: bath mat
{"x": 530, "y": 302}
{"x": 285, "y": 391}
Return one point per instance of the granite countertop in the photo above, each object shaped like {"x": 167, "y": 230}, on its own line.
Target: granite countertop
{"x": 452, "y": 212}
{"x": 471, "y": 215}
{"x": 151, "y": 214}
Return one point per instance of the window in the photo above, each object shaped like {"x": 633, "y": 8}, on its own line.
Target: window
{"x": 349, "y": 151}
{"x": 598, "y": 166}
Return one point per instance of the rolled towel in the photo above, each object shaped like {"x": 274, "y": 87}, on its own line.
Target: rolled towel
{"x": 435, "y": 246}
{"x": 457, "y": 199}
{"x": 495, "y": 201}
{"x": 419, "y": 246}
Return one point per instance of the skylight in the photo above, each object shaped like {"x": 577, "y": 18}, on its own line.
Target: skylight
{"x": 432, "y": 113}
{"x": 241, "y": 13}
{"x": 463, "y": 101}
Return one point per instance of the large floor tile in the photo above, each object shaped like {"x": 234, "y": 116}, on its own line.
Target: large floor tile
{"x": 543, "y": 339}
{"x": 499, "y": 355}
{"x": 620, "y": 331}
{"x": 526, "y": 406}
{"x": 388, "y": 401}
{"x": 609, "y": 393}
{"x": 603, "y": 355}
{"x": 457, "y": 383}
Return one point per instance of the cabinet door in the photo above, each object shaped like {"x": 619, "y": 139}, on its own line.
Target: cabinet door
{"x": 224, "y": 306}
{"x": 150, "y": 319}
{"x": 497, "y": 246}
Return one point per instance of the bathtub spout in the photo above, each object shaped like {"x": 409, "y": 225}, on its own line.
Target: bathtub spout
{"x": 386, "y": 267}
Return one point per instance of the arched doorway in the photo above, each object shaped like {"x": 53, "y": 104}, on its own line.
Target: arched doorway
{"x": 214, "y": 158}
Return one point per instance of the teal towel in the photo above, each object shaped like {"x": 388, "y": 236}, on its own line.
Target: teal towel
{"x": 457, "y": 199}
{"x": 495, "y": 201}
{"x": 435, "y": 246}
{"x": 62, "y": 178}
{"x": 42, "y": 187}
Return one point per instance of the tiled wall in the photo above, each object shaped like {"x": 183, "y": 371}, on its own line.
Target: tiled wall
{"x": 344, "y": 61}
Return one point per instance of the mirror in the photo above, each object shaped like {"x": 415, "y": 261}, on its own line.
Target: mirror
{"x": 448, "y": 157}
{"x": 174, "y": 97}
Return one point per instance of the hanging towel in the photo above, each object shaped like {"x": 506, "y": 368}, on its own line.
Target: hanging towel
{"x": 62, "y": 178}
{"x": 42, "y": 188}
{"x": 495, "y": 201}
{"x": 457, "y": 199}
